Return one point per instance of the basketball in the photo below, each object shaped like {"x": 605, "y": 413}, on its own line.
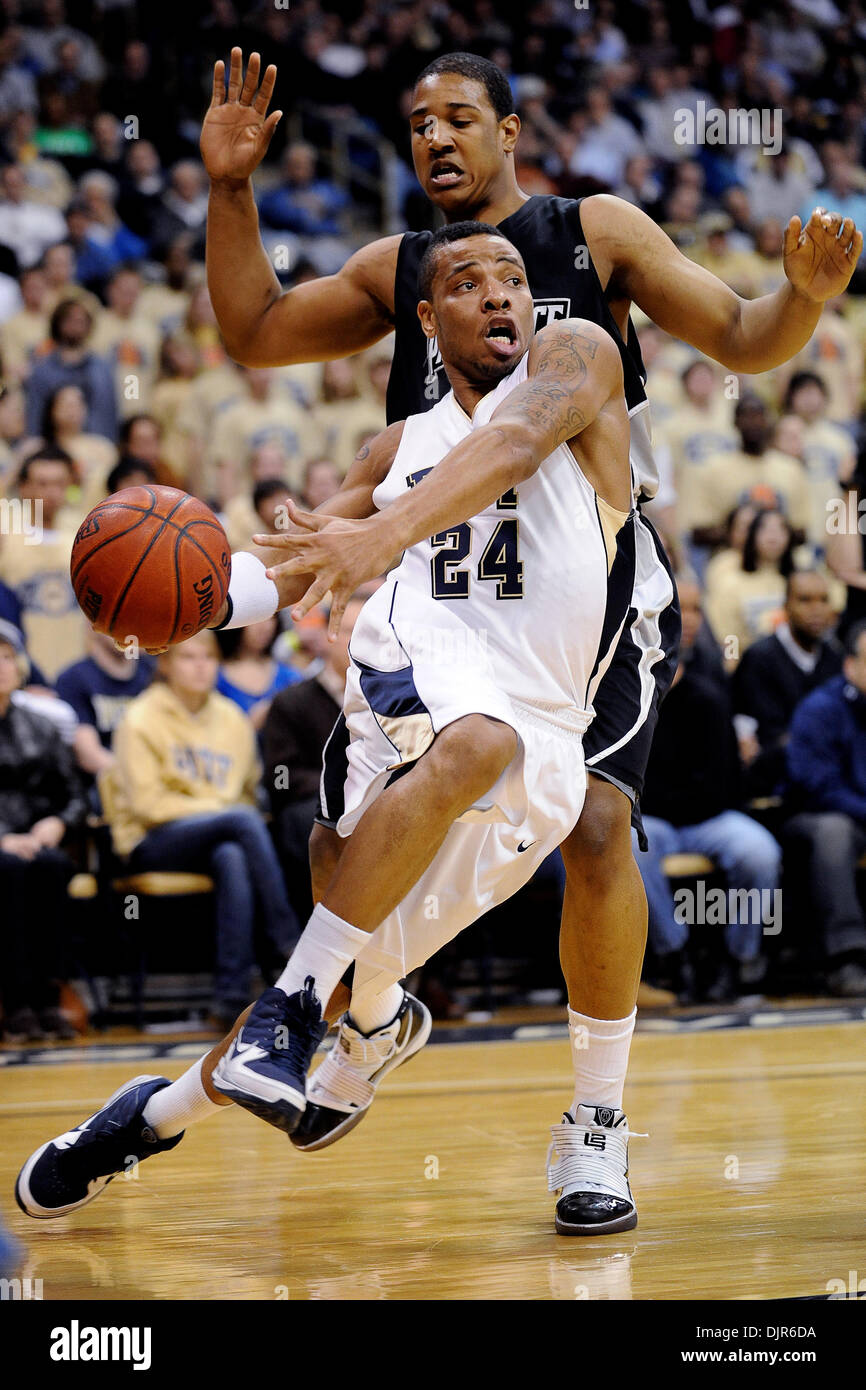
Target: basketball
{"x": 152, "y": 563}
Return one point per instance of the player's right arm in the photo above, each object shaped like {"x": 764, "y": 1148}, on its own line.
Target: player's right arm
{"x": 262, "y": 325}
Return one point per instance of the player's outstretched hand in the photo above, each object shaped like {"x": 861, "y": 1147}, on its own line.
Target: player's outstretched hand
{"x": 342, "y": 555}
{"x": 821, "y": 257}
{"x": 237, "y": 129}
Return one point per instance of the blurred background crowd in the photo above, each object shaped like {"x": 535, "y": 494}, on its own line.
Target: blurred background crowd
{"x": 113, "y": 373}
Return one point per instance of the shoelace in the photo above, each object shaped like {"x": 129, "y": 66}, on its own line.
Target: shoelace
{"x": 339, "y": 1077}
{"x": 303, "y": 1012}
{"x": 580, "y": 1166}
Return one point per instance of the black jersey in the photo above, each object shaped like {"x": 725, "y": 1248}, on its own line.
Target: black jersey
{"x": 548, "y": 233}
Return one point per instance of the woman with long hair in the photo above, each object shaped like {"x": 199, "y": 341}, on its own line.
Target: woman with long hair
{"x": 743, "y": 602}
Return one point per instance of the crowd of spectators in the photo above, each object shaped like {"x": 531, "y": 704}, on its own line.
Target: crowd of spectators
{"x": 114, "y": 373}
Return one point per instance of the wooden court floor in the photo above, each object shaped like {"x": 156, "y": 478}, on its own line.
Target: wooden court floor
{"x": 751, "y": 1185}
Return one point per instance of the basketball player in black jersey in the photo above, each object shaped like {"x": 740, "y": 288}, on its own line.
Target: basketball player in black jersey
{"x": 591, "y": 259}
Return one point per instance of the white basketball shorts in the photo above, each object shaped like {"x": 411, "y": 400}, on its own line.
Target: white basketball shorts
{"x": 415, "y": 668}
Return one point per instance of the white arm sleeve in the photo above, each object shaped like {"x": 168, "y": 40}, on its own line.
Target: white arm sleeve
{"x": 252, "y": 596}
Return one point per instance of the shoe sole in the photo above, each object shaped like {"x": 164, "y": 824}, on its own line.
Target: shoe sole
{"x": 356, "y": 1116}
{"x": 281, "y": 1109}
{"x": 22, "y": 1182}
{"x": 597, "y": 1228}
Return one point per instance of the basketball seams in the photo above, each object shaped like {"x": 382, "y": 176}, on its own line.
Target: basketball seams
{"x": 140, "y": 561}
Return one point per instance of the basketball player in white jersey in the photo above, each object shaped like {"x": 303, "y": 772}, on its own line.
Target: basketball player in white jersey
{"x": 466, "y": 701}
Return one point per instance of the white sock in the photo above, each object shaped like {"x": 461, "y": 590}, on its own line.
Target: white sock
{"x": 183, "y": 1103}
{"x": 367, "y": 1011}
{"x": 599, "y": 1051}
{"x": 326, "y": 949}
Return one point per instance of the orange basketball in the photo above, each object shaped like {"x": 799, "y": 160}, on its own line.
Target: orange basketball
{"x": 151, "y": 563}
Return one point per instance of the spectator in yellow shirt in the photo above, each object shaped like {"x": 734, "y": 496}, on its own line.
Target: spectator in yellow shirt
{"x": 743, "y": 604}
{"x": 754, "y": 472}
{"x": 182, "y": 796}
{"x": 828, "y": 450}
{"x": 34, "y": 561}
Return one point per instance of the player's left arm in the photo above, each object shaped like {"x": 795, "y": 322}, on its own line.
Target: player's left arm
{"x": 689, "y": 302}
{"x": 574, "y": 372}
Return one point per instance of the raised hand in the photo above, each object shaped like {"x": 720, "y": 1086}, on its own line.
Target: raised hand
{"x": 237, "y": 129}
{"x": 338, "y": 554}
{"x": 821, "y": 257}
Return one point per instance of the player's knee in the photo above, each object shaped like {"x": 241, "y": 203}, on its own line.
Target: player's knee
{"x": 473, "y": 752}
{"x": 602, "y": 834}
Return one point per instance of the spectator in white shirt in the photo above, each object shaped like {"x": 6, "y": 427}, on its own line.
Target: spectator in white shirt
{"x": 26, "y": 227}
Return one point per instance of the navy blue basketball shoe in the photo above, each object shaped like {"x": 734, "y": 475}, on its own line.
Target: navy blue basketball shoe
{"x": 265, "y": 1067}
{"x": 69, "y": 1171}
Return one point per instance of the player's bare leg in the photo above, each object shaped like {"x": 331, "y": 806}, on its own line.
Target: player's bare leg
{"x": 604, "y": 913}
{"x": 265, "y": 1070}
{"x": 601, "y": 944}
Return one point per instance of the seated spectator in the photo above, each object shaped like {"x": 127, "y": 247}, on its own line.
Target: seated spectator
{"x": 309, "y": 207}
{"x": 240, "y": 516}
{"x": 346, "y": 411}
{"x": 606, "y": 141}
{"x": 321, "y": 481}
{"x": 17, "y": 87}
{"x": 297, "y": 727}
{"x": 39, "y": 573}
{"x": 689, "y": 805}
{"x": 167, "y": 303}
{"x": 777, "y": 672}
{"x": 743, "y": 603}
{"x": 753, "y": 472}
{"x": 141, "y": 188}
{"x": 716, "y": 253}
{"x": 769, "y": 266}
{"x": 72, "y": 363}
{"x": 109, "y": 145}
{"x": 181, "y": 796}
{"x": 58, "y": 264}
{"x": 60, "y": 133}
{"x": 841, "y": 190}
{"x": 730, "y": 557}
{"x": 63, "y": 428}
{"x": 778, "y": 184}
{"x": 22, "y": 335}
{"x": 178, "y": 367}
{"x": 703, "y": 425}
{"x": 265, "y": 413}
{"x": 100, "y": 689}
{"x": 39, "y": 801}
{"x": 42, "y": 42}
{"x": 128, "y": 341}
{"x": 105, "y": 231}
{"x": 833, "y": 352}
{"x": 249, "y": 673}
{"x": 26, "y": 227}
{"x": 182, "y": 209}
{"x": 129, "y": 471}
{"x": 827, "y": 771}
{"x": 700, "y": 652}
{"x": 828, "y": 450}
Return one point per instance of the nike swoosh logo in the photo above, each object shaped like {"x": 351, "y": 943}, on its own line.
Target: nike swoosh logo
{"x": 521, "y": 848}
{"x": 242, "y": 1047}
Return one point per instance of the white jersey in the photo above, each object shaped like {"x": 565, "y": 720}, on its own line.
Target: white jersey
{"x": 531, "y": 574}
